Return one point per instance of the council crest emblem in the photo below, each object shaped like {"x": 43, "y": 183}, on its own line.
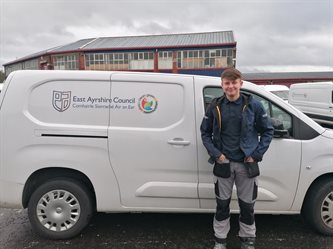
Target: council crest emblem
{"x": 61, "y": 100}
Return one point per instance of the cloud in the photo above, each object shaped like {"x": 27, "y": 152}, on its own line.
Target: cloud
{"x": 275, "y": 34}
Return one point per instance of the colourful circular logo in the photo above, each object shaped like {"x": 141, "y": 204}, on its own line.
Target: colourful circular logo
{"x": 147, "y": 103}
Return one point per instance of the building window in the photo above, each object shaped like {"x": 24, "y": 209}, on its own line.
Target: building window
{"x": 65, "y": 62}
{"x": 26, "y": 65}
{"x": 13, "y": 67}
{"x": 31, "y": 64}
{"x": 212, "y": 58}
{"x": 98, "y": 59}
{"x": 165, "y": 60}
{"x": 141, "y": 61}
{"x": 179, "y": 59}
{"x": 71, "y": 62}
{"x": 120, "y": 61}
{"x": 116, "y": 61}
{"x": 192, "y": 59}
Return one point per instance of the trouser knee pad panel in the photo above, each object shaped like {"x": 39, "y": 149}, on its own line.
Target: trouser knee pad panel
{"x": 222, "y": 209}
{"x": 246, "y": 212}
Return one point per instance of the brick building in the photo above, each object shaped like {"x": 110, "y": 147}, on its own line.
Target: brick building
{"x": 194, "y": 53}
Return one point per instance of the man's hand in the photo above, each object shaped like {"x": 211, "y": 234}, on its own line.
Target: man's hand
{"x": 249, "y": 159}
{"x": 221, "y": 158}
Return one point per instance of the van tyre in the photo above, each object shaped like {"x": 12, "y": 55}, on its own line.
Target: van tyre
{"x": 318, "y": 208}
{"x": 60, "y": 208}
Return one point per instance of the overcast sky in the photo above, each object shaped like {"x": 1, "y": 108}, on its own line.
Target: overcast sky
{"x": 271, "y": 35}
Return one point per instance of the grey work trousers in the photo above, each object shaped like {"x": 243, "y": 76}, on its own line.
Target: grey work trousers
{"x": 247, "y": 190}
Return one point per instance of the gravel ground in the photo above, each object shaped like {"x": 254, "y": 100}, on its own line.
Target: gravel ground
{"x": 165, "y": 231}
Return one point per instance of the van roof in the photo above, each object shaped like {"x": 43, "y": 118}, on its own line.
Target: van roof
{"x": 276, "y": 87}
{"x": 312, "y": 84}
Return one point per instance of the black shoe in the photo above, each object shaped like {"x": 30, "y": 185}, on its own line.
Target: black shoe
{"x": 220, "y": 243}
{"x": 247, "y": 243}
{"x": 220, "y": 246}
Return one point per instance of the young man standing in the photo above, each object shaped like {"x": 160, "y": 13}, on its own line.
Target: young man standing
{"x": 229, "y": 132}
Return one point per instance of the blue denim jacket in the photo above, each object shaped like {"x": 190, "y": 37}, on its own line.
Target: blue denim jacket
{"x": 254, "y": 121}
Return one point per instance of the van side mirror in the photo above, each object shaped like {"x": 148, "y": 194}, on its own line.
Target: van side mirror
{"x": 279, "y": 130}
{"x": 281, "y": 133}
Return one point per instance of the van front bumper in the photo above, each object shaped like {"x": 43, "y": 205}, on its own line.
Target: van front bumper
{"x": 10, "y": 194}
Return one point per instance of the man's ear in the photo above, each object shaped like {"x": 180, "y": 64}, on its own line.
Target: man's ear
{"x": 241, "y": 82}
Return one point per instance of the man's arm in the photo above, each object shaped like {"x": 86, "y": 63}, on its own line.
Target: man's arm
{"x": 265, "y": 129}
{"x": 206, "y": 129}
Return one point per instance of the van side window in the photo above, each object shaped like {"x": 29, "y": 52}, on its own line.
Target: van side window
{"x": 272, "y": 110}
{"x": 276, "y": 113}
{"x": 211, "y": 93}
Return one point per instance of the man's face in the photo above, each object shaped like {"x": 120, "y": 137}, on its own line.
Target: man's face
{"x": 232, "y": 87}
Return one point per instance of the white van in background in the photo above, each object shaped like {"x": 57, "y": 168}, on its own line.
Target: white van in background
{"x": 281, "y": 91}
{"x": 314, "y": 99}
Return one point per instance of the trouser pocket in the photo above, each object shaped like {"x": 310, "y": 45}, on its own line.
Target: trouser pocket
{"x": 252, "y": 169}
{"x": 222, "y": 170}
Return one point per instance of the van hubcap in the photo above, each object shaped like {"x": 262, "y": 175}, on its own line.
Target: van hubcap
{"x": 327, "y": 210}
{"x": 58, "y": 210}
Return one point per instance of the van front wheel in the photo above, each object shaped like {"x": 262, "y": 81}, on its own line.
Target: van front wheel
{"x": 60, "y": 208}
{"x": 318, "y": 209}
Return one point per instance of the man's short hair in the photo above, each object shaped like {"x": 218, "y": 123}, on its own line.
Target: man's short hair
{"x": 231, "y": 73}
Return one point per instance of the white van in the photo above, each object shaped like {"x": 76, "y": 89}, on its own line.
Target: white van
{"x": 314, "y": 99}
{"x": 281, "y": 91}
{"x": 75, "y": 142}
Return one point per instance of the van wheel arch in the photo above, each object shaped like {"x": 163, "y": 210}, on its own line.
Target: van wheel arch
{"x": 43, "y": 175}
{"x": 316, "y": 203}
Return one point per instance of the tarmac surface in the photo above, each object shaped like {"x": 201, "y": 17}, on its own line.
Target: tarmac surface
{"x": 161, "y": 231}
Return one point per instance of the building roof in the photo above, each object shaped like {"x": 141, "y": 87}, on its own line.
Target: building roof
{"x": 217, "y": 38}
{"x": 135, "y": 42}
{"x": 74, "y": 46}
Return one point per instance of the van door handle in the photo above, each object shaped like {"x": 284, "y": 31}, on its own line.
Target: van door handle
{"x": 178, "y": 141}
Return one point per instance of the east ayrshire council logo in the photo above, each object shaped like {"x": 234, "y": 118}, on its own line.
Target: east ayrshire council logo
{"x": 147, "y": 103}
{"x": 61, "y": 100}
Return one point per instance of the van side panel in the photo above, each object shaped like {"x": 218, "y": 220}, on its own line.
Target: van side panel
{"x": 152, "y": 141}
{"x": 58, "y": 120}
{"x": 314, "y": 99}
{"x": 314, "y": 166}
